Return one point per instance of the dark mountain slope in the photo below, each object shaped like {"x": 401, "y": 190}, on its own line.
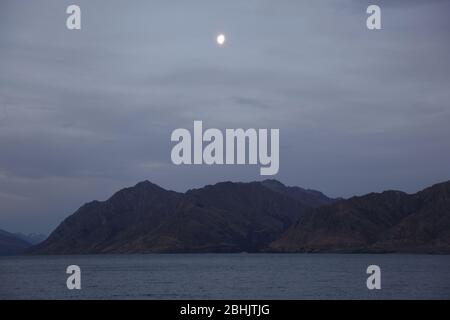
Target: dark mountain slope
{"x": 391, "y": 221}
{"x": 427, "y": 229}
{"x": 263, "y": 213}
{"x": 226, "y": 217}
{"x": 235, "y": 217}
{"x": 11, "y": 244}
{"x": 111, "y": 225}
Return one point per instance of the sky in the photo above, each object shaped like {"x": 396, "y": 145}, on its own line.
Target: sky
{"x": 85, "y": 113}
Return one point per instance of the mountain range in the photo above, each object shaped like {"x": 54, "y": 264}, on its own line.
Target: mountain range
{"x": 262, "y": 216}
{"x": 225, "y": 217}
{"x": 11, "y": 243}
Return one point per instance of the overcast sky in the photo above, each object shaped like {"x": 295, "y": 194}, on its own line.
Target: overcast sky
{"x": 85, "y": 113}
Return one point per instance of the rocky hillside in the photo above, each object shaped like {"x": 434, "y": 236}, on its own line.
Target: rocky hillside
{"x": 226, "y": 217}
{"x": 255, "y": 217}
{"x": 391, "y": 221}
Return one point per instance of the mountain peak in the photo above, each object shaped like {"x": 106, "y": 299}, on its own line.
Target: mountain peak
{"x": 146, "y": 184}
{"x": 143, "y": 187}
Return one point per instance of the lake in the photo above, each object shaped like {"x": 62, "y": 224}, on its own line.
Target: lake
{"x": 226, "y": 276}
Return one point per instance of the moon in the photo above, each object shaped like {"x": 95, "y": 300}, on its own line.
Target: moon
{"x": 221, "y": 39}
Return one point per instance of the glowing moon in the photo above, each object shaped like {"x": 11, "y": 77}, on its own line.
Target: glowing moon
{"x": 221, "y": 39}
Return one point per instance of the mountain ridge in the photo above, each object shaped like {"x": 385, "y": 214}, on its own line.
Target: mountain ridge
{"x": 390, "y": 221}
{"x": 264, "y": 216}
{"x": 224, "y": 217}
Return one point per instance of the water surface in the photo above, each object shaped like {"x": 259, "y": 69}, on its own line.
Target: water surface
{"x": 226, "y": 276}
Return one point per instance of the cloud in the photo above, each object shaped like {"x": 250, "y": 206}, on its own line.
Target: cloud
{"x": 85, "y": 113}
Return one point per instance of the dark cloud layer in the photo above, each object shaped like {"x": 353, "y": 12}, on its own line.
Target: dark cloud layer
{"x": 84, "y": 113}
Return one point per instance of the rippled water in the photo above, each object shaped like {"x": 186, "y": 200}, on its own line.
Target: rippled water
{"x": 226, "y": 276}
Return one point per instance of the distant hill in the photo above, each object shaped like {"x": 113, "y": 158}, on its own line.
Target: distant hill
{"x": 391, "y": 221}
{"x": 226, "y": 217}
{"x": 33, "y": 238}
{"x": 11, "y": 244}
